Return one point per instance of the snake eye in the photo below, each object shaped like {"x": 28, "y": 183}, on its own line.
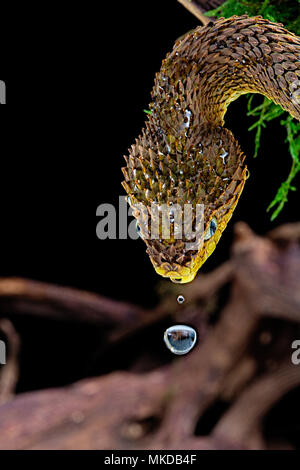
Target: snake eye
{"x": 211, "y": 229}
{"x": 138, "y": 229}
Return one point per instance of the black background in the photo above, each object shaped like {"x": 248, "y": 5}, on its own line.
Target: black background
{"x": 77, "y": 81}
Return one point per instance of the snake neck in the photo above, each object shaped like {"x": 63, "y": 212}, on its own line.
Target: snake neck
{"x": 215, "y": 64}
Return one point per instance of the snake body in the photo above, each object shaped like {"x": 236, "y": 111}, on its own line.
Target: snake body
{"x": 184, "y": 154}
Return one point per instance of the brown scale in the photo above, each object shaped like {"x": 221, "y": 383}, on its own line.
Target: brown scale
{"x": 184, "y": 154}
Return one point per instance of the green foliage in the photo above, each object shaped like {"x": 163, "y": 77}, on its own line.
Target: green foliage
{"x": 265, "y": 112}
{"x": 281, "y": 11}
{"x": 293, "y": 140}
{"x": 286, "y": 12}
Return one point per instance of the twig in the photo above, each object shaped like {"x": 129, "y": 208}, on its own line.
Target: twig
{"x": 192, "y": 7}
{"x": 38, "y": 298}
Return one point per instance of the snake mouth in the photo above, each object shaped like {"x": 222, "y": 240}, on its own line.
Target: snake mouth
{"x": 181, "y": 280}
{"x": 174, "y": 277}
{"x": 177, "y": 280}
{"x": 177, "y": 274}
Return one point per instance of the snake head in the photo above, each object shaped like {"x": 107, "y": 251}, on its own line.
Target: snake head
{"x": 182, "y": 242}
{"x": 203, "y": 175}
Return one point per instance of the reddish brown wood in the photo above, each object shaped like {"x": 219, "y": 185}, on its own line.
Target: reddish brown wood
{"x": 160, "y": 409}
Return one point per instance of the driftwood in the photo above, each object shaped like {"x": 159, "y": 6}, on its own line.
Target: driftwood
{"x": 160, "y": 409}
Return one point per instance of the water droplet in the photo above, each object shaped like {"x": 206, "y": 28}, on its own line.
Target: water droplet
{"x": 180, "y": 339}
{"x": 187, "y": 118}
{"x": 223, "y": 155}
{"x": 180, "y": 299}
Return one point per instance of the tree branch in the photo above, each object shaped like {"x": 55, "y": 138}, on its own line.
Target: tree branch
{"x": 160, "y": 409}
{"x": 195, "y": 9}
{"x": 38, "y": 298}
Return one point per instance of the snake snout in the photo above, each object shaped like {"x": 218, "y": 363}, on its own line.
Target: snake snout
{"x": 174, "y": 276}
{"x": 176, "y": 273}
{"x": 177, "y": 280}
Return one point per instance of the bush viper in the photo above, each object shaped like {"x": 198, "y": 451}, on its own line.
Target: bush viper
{"x": 184, "y": 155}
